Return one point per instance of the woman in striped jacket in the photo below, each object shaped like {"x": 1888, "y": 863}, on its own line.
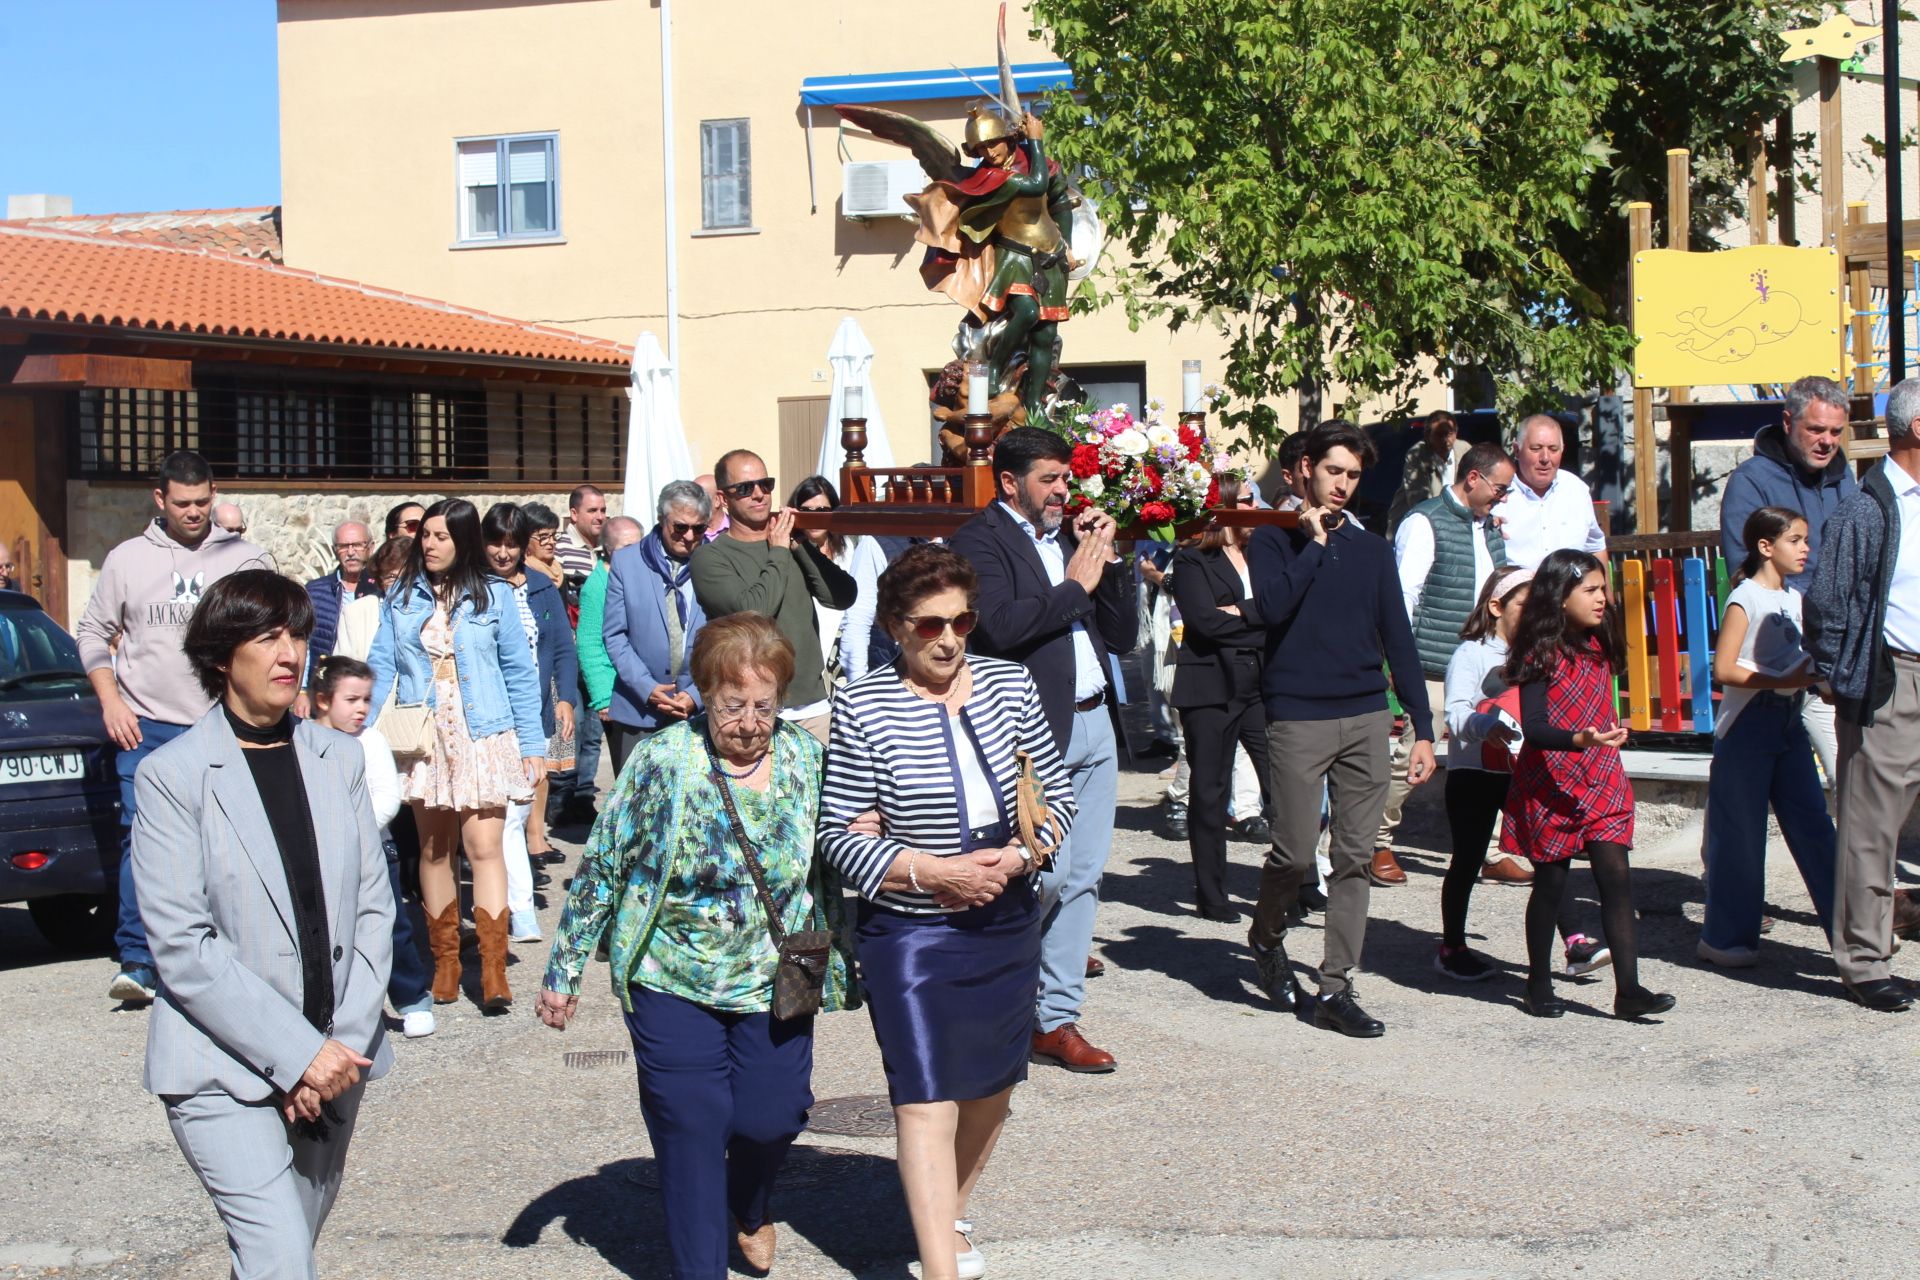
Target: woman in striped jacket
{"x": 949, "y": 927}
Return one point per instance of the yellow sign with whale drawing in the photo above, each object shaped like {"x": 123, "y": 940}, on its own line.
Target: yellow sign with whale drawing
{"x": 1769, "y": 313}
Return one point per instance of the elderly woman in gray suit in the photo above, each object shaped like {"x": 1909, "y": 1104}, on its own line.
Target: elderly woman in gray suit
{"x": 263, "y": 886}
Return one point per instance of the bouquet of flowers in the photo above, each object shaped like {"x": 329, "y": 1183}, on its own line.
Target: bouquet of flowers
{"x": 1143, "y": 470}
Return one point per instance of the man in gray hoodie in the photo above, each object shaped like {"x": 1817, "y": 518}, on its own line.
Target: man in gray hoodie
{"x": 130, "y": 643}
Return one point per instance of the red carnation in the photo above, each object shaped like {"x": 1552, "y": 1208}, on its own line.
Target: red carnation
{"x": 1114, "y": 468}
{"x": 1157, "y": 513}
{"x": 1077, "y": 502}
{"x": 1086, "y": 460}
{"x": 1193, "y": 441}
{"x": 1213, "y": 495}
{"x": 1152, "y": 479}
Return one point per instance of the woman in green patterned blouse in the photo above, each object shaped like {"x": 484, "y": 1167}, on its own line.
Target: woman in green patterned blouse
{"x": 724, "y": 1085}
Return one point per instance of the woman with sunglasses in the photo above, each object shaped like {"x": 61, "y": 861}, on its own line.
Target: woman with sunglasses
{"x": 1216, "y": 690}
{"x": 918, "y": 812}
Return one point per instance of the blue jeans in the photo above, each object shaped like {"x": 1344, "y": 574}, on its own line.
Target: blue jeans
{"x": 723, "y": 1095}
{"x": 1765, "y": 757}
{"x": 586, "y": 745}
{"x": 410, "y": 985}
{"x": 130, "y": 936}
{"x": 1070, "y": 886}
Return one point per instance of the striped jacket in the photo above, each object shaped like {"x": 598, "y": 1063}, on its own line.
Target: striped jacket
{"x": 892, "y": 750}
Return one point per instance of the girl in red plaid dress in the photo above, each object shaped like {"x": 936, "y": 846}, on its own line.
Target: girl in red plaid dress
{"x": 1570, "y": 797}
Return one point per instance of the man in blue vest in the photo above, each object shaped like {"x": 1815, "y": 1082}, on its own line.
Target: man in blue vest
{"x": 1444, "y": 549}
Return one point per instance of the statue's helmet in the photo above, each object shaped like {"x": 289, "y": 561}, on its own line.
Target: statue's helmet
{"x": 985, "y": 125}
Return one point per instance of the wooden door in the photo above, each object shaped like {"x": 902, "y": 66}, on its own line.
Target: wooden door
{"x": 803, "y": 424}
{"x": 38, "y": 558}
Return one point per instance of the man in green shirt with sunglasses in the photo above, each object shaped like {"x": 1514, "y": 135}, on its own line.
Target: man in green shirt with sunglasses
{"x": 758, "y": 566}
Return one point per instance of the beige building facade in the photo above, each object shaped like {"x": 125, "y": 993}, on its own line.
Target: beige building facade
{"x": 395, "y": 113}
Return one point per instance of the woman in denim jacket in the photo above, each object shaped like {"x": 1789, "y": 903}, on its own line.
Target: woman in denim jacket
{"x": 451, "y": 638}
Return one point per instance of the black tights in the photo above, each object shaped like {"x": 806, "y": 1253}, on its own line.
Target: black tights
{"x": 1611, "y": 877}
{"x": 1474, "y": 800}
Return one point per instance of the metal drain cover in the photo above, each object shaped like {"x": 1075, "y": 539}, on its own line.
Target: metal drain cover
{"x": 597, "y": 1058}
{"x": 805, "y": 1167}
{"x": 860, "y": 1116}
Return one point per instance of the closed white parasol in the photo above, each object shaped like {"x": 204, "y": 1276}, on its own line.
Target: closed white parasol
{"x": 656, "y": 442}
{"x": 851, "y": 356}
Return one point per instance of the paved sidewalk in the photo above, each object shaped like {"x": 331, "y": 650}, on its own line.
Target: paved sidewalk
{"x": 1761, "y": 1130}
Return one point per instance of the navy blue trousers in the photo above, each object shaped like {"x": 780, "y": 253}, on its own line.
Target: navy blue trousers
{"x": 724, "y": 1095}
{"x": 410, "y": 985}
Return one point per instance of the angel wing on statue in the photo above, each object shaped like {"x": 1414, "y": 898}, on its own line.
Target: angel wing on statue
{"x": 998, "y": 236}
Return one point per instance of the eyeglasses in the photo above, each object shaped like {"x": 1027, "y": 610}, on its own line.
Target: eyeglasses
{"x": 678, "y": 530}
{"x": 351, "y": 546}
{"x": 549, "y": 537}
{"x": 824, "y": 506}
{"x": 758, "y": 712}
{"x": 931, "y": 627}
{"x": 410, "y": 526}
{"x": 742, "y": 488}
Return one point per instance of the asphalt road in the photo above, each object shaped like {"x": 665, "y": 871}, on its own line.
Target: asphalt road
{"x": 1757, "y": 1131}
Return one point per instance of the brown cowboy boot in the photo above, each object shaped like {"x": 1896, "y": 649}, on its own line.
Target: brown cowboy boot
{"x": 495, "y": 995}
{"x": 443, "y": 939}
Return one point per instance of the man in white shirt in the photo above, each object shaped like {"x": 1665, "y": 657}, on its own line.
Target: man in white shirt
{"x": 1549, "y": 509}
{"x": 1444, "y": 550}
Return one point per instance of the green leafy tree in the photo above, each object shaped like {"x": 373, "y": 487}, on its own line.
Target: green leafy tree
{"x": 1358, "y": 190}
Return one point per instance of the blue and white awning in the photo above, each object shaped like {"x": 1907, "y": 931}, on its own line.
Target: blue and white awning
{"x": 1030, "y": 78}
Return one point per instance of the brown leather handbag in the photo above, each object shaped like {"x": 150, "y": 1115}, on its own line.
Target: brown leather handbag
{"x": 1033, "y": 817}
{"x": 800, "y": 981}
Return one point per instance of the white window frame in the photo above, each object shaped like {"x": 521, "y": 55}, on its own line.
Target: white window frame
{"x": 743, "y": 175}
{"x": 464, "y": 238}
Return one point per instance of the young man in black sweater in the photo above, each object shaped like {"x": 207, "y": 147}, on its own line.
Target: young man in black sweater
{"x": 1331, "y": 597}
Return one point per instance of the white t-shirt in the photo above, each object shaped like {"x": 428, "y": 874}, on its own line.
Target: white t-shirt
{"x": 1772, "y": 645}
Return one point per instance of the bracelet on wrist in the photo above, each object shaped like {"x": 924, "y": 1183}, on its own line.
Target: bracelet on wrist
{"x": 913, "y": 879}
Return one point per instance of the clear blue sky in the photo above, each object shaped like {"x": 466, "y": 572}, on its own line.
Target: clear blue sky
{"x": 140, "y": 104}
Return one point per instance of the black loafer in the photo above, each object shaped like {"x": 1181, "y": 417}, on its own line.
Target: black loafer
{"x": 1275, "y": 975}
{"x": 1226, "y": 913}
{"x": 1312, "y": 898}
{"x": 541, "y": 879}
{"x": 1882, "y": 995}
{"x": 1252, "y": 830}
{"x": 1341, "y": 1013}
{"x": 1544, "y": 1006}
{"x": 1641, "y": 1004}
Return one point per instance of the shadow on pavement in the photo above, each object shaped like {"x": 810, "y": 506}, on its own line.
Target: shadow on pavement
{"x": 616, "y": 1212}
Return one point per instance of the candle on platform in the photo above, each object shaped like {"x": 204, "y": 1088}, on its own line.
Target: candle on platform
{"x": 854, "y": 403}
{"x": 977, "y": 390}
{"x": 1190, "y": 387}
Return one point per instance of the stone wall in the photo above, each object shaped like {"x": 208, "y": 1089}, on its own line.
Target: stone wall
{"x": 294, "y": 525}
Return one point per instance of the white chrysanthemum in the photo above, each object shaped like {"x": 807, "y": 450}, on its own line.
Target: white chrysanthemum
{"x": 1131, "y": 443}
{"x": 1094, "y": 486}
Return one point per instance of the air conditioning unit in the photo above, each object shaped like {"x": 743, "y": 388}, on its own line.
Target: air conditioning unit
{"x": 878, "y": 188}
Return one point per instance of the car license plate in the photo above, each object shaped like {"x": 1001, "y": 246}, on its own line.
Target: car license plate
{"x": 40, "y": 766}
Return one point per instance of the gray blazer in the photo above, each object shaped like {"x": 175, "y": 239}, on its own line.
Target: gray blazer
{"x": 219, "y": 915}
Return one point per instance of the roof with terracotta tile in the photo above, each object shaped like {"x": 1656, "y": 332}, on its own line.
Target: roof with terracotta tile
{"x": 72, "y": 278}
{"x": 245, "y": 233}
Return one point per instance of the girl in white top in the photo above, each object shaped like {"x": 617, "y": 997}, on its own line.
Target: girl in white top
{"x": 342, "y": 697}
{"x": 1476, "y": 788}
{"x": 1761, "y": 753}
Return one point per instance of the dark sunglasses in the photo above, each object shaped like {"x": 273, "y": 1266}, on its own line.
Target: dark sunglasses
{"x": 678, "y": 530}
{"x": 930, "y": 627}
{"x": 741, "y": 489}
{"x": 410, "y": 526}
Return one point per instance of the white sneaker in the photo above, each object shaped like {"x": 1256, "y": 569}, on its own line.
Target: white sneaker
{"x": 523, "y": 926}
{"x": 1727, "y": 957}
{"x": 415, "y": 1025}
{"x": 969, "y": 1265}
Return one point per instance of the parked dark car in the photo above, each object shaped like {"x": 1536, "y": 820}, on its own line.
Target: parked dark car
{"x": 59, "y": 796}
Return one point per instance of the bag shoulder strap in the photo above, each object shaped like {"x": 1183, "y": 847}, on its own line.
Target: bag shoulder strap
{"x": 774, "y": 927}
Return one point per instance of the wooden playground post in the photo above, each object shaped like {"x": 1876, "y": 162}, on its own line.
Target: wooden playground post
{"x": 1646, "y": 450}
{"x": 1756, "y": 183}
{"x": 1859, "y": 292}
{"x": 1679, "y": 429}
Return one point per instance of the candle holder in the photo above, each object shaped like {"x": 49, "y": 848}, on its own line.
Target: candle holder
{"x": 979, "y": 437}
{"x": 853, "y": 441}
{"x": 1195, "y": 419}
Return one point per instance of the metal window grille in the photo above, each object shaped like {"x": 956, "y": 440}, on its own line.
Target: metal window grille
{"x": 304, "y": 432}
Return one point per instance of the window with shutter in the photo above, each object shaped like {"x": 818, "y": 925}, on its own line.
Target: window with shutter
{"x": 726, "y": 186}
{"x": 509, "y": 187}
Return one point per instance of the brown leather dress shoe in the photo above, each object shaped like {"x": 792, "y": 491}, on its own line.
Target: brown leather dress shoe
{"x": 756, "y": 1246}
{"x": 1507, "y": 871}
{"x": 1095, "y": 966}
{"x": 1064, "y": 1046}
{"x": 1906, "y": 914}
{"x": 1384, "y": 870}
